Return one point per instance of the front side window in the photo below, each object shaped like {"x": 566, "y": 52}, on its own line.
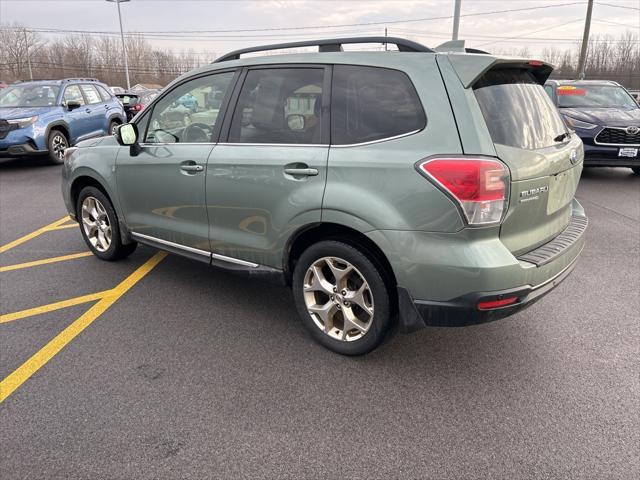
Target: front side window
{"x": 371, "y": 103}
{"x": 91, "y": 93}
{"x": 594, "y": 96}
{"x": 106, "y": 96}
{"x": 73, "y": 94}
{"x": 184, "y": 115}
{"x": 279, "y": 105}
{"x": 29, "y": 95}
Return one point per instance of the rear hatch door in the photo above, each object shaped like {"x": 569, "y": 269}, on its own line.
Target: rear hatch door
{"x": 543, "y": 156}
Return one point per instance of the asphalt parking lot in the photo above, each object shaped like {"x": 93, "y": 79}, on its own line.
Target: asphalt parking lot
{"x": 167, "y": 368}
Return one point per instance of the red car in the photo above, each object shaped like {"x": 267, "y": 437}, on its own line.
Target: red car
{"x": 3, "y": 85}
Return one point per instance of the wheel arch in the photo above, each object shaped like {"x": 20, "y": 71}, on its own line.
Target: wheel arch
{"x": 87, "y": 180}
{"x": 310, "y": 234}
{"x": 58, "y": 125}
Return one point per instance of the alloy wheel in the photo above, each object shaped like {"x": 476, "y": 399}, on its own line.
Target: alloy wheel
{"x": 95, "y": 223}
{"x": 338, "y": 298}
{"x": 59, "y": 145}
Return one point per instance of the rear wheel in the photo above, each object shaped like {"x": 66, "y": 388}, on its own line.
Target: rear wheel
{"x": 342, "y": 298}
{"x": 636, "y": 170}
{"x": 57, "y": 143}
{"x": 99, "y": 225}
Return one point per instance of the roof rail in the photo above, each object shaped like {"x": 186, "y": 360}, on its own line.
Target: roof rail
{"x": 79, "y": 80}
{"x": 329, "y": 45}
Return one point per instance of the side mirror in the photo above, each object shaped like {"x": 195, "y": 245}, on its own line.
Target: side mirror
{"x": 127, "y": 134}
{"x": 72, "y": 105}
{"x": 295, "y": 122}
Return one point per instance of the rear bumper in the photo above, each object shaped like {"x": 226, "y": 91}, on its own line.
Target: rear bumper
{"x": 463, "y": 311}
{"x": 604, "y": 156}
{"x": 442, "y": 278}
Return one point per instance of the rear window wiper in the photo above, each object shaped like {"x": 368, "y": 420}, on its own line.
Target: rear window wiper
{"x": 562, "y": 136}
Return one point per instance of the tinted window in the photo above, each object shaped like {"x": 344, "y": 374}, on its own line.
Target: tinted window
{"x": 282, "y": 105}
{"x": 370, "y": 103}
{"x": 73, "y": 93}
{"x": 103, "y": 93}
{"x": 184, "y": 115}
{"x": 91, "y": 93}
{"x": 598, "y": 96}
{"x": 517, "y": 110}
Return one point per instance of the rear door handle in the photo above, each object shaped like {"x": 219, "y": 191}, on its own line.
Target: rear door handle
{"x": 307, "y": 172}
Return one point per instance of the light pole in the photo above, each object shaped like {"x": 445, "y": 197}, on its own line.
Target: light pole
{"x": 582, "y": 61}
{"x": 124, "y": 47}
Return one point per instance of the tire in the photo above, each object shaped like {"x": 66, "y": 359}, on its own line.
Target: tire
{"x": 57, "y": 143}
{"x": 373, "y": 322}
{"x": 636, "y": 170}
{"x": 112, "y": 127}
{"x": 103, "y": 237}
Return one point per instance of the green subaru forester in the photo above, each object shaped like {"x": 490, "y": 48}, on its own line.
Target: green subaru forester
{"x": 391, "y": 190}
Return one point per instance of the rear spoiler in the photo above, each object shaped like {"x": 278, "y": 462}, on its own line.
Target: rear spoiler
{"x": 470, "y": 68}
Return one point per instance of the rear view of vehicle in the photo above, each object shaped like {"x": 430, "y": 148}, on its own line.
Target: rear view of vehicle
{"x": 605, "y": 116}
{"x": 514, "y": 188}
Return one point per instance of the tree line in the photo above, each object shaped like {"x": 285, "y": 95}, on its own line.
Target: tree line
{"x": 85, "y": 55}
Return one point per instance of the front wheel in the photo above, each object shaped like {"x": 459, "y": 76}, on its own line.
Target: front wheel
{"x": 636, "y": 170}
{"x": 113, "y": 127}
{"x": 342, "y": 298}
{"x": 99, "y": 225}
{"x": 57, "y": 143}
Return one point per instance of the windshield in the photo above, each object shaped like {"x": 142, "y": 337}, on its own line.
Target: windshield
{"x": 594, "y": 96}
{"x": 517, "y": 110}
{"x": 29, "y": 95}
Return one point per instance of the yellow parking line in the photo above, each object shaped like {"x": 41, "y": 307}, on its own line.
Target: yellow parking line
{"x": 50, "y": 307}
{"x": 44, "y": 261}
{"x": 31, "y": 235}
{"x": 62, "y": 227}
{"x": 46, "y": 353}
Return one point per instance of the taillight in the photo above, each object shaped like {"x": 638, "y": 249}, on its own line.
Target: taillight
{"x": 138, "y": 106}
{"x": 479, "y": 185}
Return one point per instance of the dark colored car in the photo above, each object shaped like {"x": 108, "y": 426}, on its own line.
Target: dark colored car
{"x": 605, "y": 116}
{"x": 131, "y": 102}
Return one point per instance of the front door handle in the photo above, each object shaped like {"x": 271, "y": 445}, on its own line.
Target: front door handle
{"x": 192, "y": 168}
{"x": 306, "y": 172}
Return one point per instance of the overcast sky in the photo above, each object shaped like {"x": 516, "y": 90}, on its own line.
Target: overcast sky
{"x": 559, "y": 25}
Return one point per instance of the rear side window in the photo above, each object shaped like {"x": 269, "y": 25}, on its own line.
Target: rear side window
{"x": 517, "y": 110}
{"x": 370, "y": 103}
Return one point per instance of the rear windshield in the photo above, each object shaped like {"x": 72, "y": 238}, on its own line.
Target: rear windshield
{"x": 594, "y": 96}
{"x": 517, "y": 110}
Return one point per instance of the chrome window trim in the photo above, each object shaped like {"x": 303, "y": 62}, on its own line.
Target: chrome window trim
{"x": 380, "y": 140}
{"x": 276, "y": 144}
{"x": 164, "y": 144}
{"x": 197, "y": 251}
{"x": 595, "y": 139}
